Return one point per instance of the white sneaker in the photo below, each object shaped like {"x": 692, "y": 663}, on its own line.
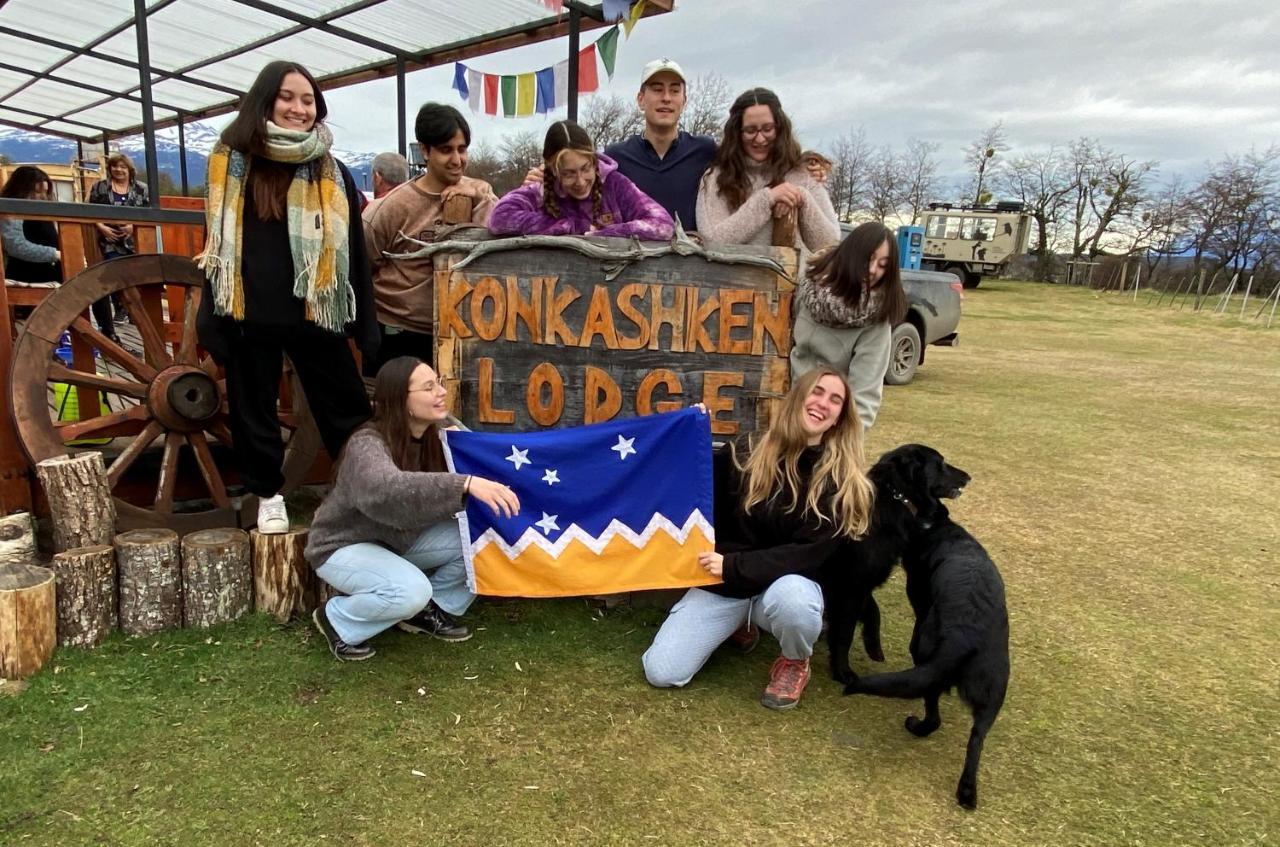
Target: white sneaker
{"x": 273, "y": 519}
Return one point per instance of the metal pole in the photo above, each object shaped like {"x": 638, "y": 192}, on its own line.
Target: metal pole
{"x": 575, "y": 18}
{"x": 182, "y": 152}
{"x": 106, "y": 144}
{"x": 402, "y": 118}
{"x": 148, "y": 112}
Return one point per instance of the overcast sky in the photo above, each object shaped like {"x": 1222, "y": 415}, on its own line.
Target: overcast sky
{"x": 1179, "y": 82}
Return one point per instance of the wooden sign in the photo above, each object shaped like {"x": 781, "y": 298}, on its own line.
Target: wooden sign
{"x": 539, "y": 338}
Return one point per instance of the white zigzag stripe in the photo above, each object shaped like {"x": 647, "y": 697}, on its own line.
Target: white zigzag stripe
{"x": 615, "y": 528}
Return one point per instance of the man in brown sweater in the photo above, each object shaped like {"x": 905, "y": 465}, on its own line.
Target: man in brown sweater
{"x": 403, "y": 288}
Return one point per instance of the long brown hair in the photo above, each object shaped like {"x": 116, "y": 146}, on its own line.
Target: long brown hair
{"x": 247, "y": 133}
{"x": 845, "y": 270}
{"x": 391, "y": 419}
{"x": 839, "y": 490}
{"x": 731, "y": 163}
{"x": 563, "y": 137}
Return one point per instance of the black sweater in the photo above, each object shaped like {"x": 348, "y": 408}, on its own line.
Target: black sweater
{"x": 770, "y": 541}
{"x": 266, "y": 266}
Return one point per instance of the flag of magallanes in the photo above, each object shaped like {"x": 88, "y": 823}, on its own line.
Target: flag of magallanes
{"x": 624, "y": 505}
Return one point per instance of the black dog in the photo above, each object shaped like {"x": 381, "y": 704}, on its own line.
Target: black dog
{"x": 961, "y": 636}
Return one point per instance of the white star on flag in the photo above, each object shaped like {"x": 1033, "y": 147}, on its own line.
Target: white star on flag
{"x": 518, "y": 457}
{"x": 623, "y": 448}
{"x": 547, "y": 523}
{"x": 551, "y": 477}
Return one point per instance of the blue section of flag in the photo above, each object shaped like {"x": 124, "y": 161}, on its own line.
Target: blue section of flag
{"x": 546, "y": 90}
{"x": 626, "y": 470}
{"x": 460, "y": 79}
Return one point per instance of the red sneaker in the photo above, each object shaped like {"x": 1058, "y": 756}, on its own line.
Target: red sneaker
{"x": 787, "y": 679}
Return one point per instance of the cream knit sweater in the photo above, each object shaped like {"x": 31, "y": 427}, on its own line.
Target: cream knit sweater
{"x": 752, "y": 222}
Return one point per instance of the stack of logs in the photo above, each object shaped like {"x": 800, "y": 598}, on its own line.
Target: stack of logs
{"x": 142, "y": 581}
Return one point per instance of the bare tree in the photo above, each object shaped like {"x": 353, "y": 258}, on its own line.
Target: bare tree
{"x": 1234, "y": 209}
{"x": 1083, "y": 156}
{"x": 884, "y": 184}
{"x": 610, "y": 119}
{"x": 851, "y": 157}
{"x": 919, "y": 172}
{"x": 1042, "y": 181}
{"x": 981, "y": 158}
{"x": 1120, "y": 188}
{"x": 707, "y": 106}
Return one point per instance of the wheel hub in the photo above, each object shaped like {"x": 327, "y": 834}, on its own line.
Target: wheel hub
{"x": 184, "y": 398}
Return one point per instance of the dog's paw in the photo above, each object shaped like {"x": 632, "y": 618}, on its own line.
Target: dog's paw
{"x": 874, "y": 652}
{"x": 853, "y": 685}
{"x": 967, "y": 794}
{"x": 844, "y": 676}
{"x": 920, "y": 728}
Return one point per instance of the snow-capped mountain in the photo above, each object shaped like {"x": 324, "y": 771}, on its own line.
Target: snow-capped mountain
{"x": 200, "y": 138}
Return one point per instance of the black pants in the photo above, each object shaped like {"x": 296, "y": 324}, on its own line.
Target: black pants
{"x": 402, "y": 342}
{"x": 102, "y": 314}
{"x": 330, "y": 380}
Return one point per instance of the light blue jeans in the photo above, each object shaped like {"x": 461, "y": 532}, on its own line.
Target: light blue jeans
{"x": 383, "y": 587}
{"x": 790, "y": 608}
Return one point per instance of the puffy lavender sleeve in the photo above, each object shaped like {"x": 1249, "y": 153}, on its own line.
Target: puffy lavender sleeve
{"x": 642, "y": 217}
{"x": 520, "y": 212}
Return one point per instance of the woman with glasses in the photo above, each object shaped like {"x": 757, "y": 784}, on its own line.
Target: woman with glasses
{"x": 757, "y": 176}
{"x": 583, "y": 194}
{"x": 386, "y": 536}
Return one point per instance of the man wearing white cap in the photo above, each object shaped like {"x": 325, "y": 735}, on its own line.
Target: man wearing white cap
{"x": 665, "y": 161}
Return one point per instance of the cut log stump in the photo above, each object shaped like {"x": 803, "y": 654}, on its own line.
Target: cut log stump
{"x": 86, "y": 594}
{"x": 283, "y": 583}
{"x": 17, "y": 540}
{"x": 150, "y": 570}
{"x": 84, "y": 514}
{"x": 217, "y": 579}
{"x": 28, "y": 619}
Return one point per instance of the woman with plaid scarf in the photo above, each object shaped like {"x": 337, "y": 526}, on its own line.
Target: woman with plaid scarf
{"x": 286, "y": 273}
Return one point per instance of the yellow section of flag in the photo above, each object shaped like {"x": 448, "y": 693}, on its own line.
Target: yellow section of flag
{"x": 526, "y": 87}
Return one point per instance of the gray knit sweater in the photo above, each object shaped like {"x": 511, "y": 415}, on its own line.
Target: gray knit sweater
{"x": 374, "y": 501}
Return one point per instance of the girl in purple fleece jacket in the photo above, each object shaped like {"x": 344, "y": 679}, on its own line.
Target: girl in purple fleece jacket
{"x": 584, "y": 194}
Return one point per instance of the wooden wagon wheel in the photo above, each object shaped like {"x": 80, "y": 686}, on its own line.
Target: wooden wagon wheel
{"x": 166, "y": 405}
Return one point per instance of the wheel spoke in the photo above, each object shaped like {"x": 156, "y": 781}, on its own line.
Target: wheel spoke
{"x": 188, "y": 351}
{"x": 130, "y": 454}
{"x": 61, "y": 373}
{"x": 219, "y": 429}
{"x": 168, "y": 472}
{"x": 82, "y": 429}
{"x": 209, "y": 366}
{"x": 209, "y": 470}
{"x": 113, "y": 351}
{"x": 152, "y": 340}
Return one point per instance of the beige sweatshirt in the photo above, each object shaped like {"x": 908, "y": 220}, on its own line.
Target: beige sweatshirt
{"x": 403, "y": 288}
{"x": 752, "y": 222}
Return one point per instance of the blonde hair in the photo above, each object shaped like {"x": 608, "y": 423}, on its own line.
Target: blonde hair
{"x": 839, "y": 491}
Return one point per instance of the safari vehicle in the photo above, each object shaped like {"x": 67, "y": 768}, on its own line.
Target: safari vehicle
{"x": 974, "y": 241}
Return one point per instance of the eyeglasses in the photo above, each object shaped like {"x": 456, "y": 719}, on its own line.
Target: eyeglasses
{"x": 767, "y": 131}
{"x": 585, "y": 171}
{"x": 439, "y": 382}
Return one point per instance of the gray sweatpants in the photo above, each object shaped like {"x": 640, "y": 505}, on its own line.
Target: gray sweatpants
{"x": 791, "y": 609}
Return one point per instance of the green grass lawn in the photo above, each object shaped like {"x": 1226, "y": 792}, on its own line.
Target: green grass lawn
{"x": 1126, "y": 465}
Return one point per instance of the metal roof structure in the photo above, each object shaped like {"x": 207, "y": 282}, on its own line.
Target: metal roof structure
{"x": 92, "y": 70}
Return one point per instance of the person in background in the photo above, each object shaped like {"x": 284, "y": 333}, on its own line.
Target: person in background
{"x": 583, "y": 195}
{"x": 818, "y": 165}
{"x": 389, "y": 171}
{"x": 120, "y": 188}
{"x": 31, "y": 251}
{"x": 757, "y": 176}
{"x": 787, "y": 502}
{"x": 386, "y": 535}
{"x": 403, "y": 288}
{"x": 848, "y": 303}
{"x": 286, "y": 274}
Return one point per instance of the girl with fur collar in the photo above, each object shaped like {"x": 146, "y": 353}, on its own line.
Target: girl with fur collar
{"x": 847, "y": 306}
{"x": 286, "y": 272}
{"x": 757, "y": 175}
{"x": 583, "y": 194}
{"x": 798, "y": 495}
